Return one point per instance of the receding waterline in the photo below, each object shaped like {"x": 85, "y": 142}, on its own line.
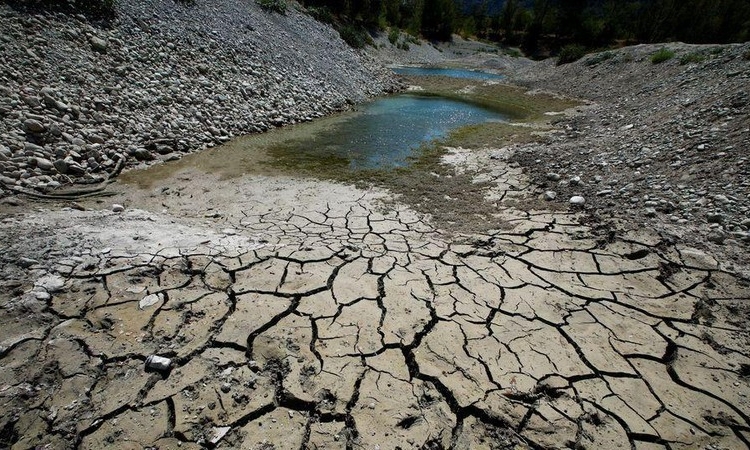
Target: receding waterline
{"x": 446, "y": 72}
{"x": 386, "y": 132}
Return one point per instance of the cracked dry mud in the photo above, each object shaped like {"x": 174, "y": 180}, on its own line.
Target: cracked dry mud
{"x": 308, "y": 315}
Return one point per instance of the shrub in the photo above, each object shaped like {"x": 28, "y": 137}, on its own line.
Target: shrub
{"x": 404, "y": 45}
{"x": 599, "y": 58}
{"x": 570, "y": 53}
{"x": 354, "y": 36}
{"x": 664, "y": 54}
{"x": 321, "y": 14}
{"x": 393, "y": 36}
{"x": 746, "y": 55}
{"x": 513, "y": 52}
{"x": 277, "y": 6}
{"x": 694, "y": 57}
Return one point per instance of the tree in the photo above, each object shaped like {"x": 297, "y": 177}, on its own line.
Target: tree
{"x": 508, "y": 18}
{"x": 535, "y": 29}
{"x": 392, "y": 11}
{"x": 438, "y": 19}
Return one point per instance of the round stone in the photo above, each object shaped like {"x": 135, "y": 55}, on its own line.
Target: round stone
{"x": 577, "y": 200}
{"x": 34, "y": 126}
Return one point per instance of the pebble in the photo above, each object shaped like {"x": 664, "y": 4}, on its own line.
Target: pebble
{"x": 27, "y": 262}
{"x": 98, "y": 44}
{"x": 550, "y": 195}
{"x": 34, "y": 126}
{"x": 117, "y": 208}
{"x": 150, "y": 300}
{"x": 44, "y": 164}
{"x": 577, "y": 200}
{"x": 553, "y": 176}
{"x": 218, "y": 434}
{"x": 717, "y": 237}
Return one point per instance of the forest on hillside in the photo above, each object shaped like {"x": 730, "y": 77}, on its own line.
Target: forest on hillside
{"x": 538, "y": 27}
{"x": 541, "y": 26}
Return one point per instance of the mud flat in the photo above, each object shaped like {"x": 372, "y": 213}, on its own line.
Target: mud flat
{"x": 450, "y": 308}
{"x": 306, "y": 314}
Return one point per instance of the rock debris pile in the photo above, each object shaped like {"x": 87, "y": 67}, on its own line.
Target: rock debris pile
{"x": 79, "y": 101}
{"x": 661, "y": 144}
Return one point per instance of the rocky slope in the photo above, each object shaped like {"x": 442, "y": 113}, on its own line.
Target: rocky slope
{"x": 659, "y": 145}
{"x": 78, "y": 101}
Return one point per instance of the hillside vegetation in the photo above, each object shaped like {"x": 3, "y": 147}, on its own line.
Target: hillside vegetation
{"x": 544, "y": 26}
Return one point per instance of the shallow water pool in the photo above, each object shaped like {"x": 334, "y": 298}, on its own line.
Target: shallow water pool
{"x": 445, "y": 72}
{"x": 386, "y": 132}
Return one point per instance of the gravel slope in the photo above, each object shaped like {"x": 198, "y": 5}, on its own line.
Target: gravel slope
{"x": 659, "y": 145}
{"x": 78, "y": 102}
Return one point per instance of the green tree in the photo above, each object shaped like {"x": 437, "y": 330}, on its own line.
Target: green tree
{"x": 392, "y": 11}
{"x": 438, "y": 19}
{"x": 507, "y": 18}
{"x": 536, "y": 28}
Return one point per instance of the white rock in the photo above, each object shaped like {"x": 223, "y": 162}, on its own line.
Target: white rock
{"x": 50, "y": 283}
{"x": 150, "y": 300}
{"x": 117, "y": 208}
{"x": 219, "y": 433}
{"x": 577, "y": 200}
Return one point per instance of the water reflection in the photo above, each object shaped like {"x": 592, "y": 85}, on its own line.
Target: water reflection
{"x": 387, "y": 131}
{"x": 444, "y": 72}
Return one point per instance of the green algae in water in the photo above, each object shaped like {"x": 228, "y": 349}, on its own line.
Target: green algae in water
{"x": 387, "y": 133}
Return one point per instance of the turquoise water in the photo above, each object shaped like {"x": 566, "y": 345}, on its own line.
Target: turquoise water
{"x": 386, "y": 132}
{"x": 453, "y": 73}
